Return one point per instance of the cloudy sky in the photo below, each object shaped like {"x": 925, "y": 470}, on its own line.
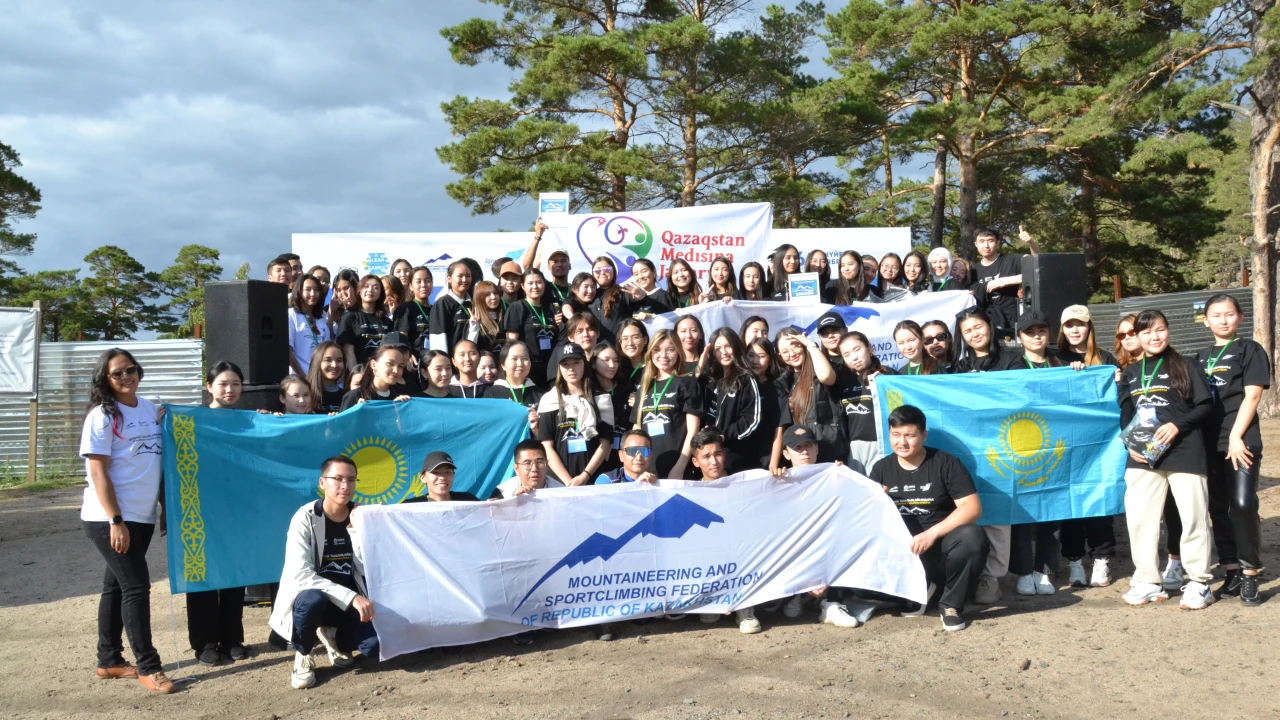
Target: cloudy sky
{"x": 150, "y": 124}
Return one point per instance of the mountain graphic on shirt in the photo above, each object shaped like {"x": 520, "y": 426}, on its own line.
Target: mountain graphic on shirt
{"x": 339, "y": 568}
{"x": 149, "y": 449}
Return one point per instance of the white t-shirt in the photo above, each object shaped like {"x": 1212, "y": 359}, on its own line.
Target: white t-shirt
{"x": 509, "y": 486}
{"x": 135, "y": 447}
{"x": 302, "y": 338}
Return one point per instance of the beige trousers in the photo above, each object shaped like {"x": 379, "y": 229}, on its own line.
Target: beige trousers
{"x": 1144, "y": 498}
{"x": 999, "y": 536}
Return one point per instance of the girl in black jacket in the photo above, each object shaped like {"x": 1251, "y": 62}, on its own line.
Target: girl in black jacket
{"x": 732, "y": 400}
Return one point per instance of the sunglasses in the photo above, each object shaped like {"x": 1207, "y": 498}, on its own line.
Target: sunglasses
{"x": 940, "y": 337}
{"x": 1123, "y": 335}
{"x": 130, "y": 371}
{"x": 636, "y": 450}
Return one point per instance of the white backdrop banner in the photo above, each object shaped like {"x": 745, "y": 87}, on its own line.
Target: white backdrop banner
{"x": 875, "y": 320}
{"x": 458, "y": 573}
{"x": 19, "y": 352}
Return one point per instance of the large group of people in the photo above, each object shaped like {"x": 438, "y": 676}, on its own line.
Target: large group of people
{"x": 610, "y": 402}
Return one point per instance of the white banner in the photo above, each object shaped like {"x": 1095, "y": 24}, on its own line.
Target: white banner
{"x": 19, "y": 352}
{"x": 875, "y": 320}
{"x": 457, "y": 573}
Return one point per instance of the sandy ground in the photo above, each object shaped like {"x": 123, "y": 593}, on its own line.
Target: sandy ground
{"x": 1073, "y": 654}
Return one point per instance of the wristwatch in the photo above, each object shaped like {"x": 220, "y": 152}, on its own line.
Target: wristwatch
{"x": 116, "y": 520}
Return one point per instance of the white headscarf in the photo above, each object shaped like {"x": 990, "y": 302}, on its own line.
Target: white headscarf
{"x": 934, "y": 254}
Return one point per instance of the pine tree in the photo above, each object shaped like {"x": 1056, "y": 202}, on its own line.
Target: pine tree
{"x": 183, "y": 283}
{"x": 116, "y": 295}
{"x": 19, "y": 200}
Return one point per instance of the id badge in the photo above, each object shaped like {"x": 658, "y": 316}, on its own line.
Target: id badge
{"x": 544, "y": 343}
{"x": 655, "y": 428}
{"x": 617, "y": 442}
{"x": 577, "y": 445}
{"x": 1147, "y": 413}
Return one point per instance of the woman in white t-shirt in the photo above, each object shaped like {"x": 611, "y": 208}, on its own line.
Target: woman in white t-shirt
{"x": 308, "y": 326}
{"x": 122, "y": 449}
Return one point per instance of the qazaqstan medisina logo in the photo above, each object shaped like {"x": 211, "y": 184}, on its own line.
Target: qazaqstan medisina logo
{"x": 635, "y": 592}
{"x": 627, "y": 238}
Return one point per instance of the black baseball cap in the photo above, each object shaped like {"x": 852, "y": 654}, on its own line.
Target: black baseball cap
{"x": 436, "y": 460}
{"x": 394, "y": 339}
{"x": 1030, "y": 320}
{"x": 831, "y": 320}
{"x": 573, "y": 351}
{"x": 798, "y": 435}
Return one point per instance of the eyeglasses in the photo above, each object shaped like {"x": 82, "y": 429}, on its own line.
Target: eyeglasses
{"x": 635, "y": 450}
{"x": 601, "y": 271}
{"x": 339, "y": 479}
{"x": 1123, "y": 335}
{"x": 940, "y": 337}
{"x": 130, "y": 371}
{"x": 531, "y": 464}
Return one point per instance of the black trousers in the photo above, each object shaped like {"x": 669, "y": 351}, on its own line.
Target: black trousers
{"x": 1233, "y": 510}
{"x": 215, "y": 617}
{"x": 1045, "y": 557}
{"x": 125, "y": 604}
{"x": 1098, "y": 532}
{"x": 955, "y": 562}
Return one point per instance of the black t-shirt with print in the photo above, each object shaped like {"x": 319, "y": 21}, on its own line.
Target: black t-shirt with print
{"x": 1146, "y": 383}
{"x": 536, "y": 324}
{"x": 564, "y": 433}
{"x": 450, "y": 319}
{"x": 987, "y": 363}
{"x": 655, "y": 303}
{"x": 1005, "y": 299}
{"x": 331, "y": 401}
{"x": 363, "y": 331}
{"x": 661, "y": 411}
{"x": 1235, "y": 366}
{"x": 352, "y": 398}
{"x": 337, "y": 560}
{"x": 927, "y": 495}
{"x": 1069, "y": 356}
{"x": 555, "y": 296}
{"x": 528, "y": 396}
{"x": 413, "y": 320}
{"x": 857, "y": 400}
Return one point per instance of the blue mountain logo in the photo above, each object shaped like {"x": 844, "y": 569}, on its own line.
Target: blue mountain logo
{"x": 442, "y": 258}
{"x": 672, "y": 519}
{"x": 850, "y": 313}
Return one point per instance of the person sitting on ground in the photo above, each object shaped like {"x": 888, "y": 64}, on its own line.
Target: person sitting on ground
{"x": 940, "y": 506}
{"x": 634, "y": 451}
{"x": 437, "y": 476}
{"x": 801, "y": 449}
{"x": 531, "y": 471}
{"x": 322, "y": 588}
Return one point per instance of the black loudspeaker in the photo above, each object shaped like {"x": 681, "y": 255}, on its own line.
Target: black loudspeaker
{"x": 1052, "y": 282}
{"x": 247, "y": 323}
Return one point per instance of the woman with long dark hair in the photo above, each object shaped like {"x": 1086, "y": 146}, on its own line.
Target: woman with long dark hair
{"x": 393, "y": 293}
{"x": 308, "y": 326}
{"x": 533, "y": 322}
{"x": 982, "y": 352}
{"x": 612, "y": 387}
{"x": 327, "y": 377}
{"x": 816, "y": 262}
{"x": 215, "y": 618}
{"x": 850, "y": 285}
{"x": 858, "y": 397}
{"x": 763, "y": 362}
{"x": 751, "y": 282}
{"x": 121, "y": 445}
{"x": 413, "y": 318}
{"x": 364, "y": 326}
{"x": 633, "y": 342}
{"x": 436, "y": 372}
{"x": 514, "y": 384}
{"x": 692, "y": 339}
{"x": 786, "y": 260}
{"x": 720, "y": 282}
{"x": 486, "y": 314}
{"x": 654, "y": 300}
{"x": 936, "y": 336}
{"x": 402, "y": 271}
{"x": 611, "y": 304}
{"x": 570, "y": 426}
{"x": 582, "y": 293}
{"x": 682, "y": 284}
{"x": 811, "y": 395}
{"x": 1127, "y": 349}
{"x": 451, "y": 315}
{"x": 466, "y": 383}
{"x": 752, "y": 328}
{"x": 381, "y": 380}
{"x": 668, "y": 406}
{"x": 909, "y": 337}
{"x": 345, "y": 296}
{"x": 732, "y": 400}
{"x": 1162, "y": 385}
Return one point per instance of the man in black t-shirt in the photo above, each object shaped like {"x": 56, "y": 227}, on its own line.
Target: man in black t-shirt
{"x": 437, "y": 476}
{"x": 995, "y": 279}
{"x": 939, "y": 504}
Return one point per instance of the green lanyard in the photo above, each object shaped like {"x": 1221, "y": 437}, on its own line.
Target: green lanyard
{"x": 1213, "y": 361}
{"x": 513, "y": 394}
{"x": 315, "y": 332}
{"x": 504, "y": 303}
{"x": 1144, "y": 382}
{"x": 914, "y": 369}
{"x": 561, "y": 296}
{"x": 1032, "y": 365}
{"x": 657, "y": 396}
{"x": 943, "y": 285}
{"x": 542, "y": 317}
{"x": 422, "y": 310}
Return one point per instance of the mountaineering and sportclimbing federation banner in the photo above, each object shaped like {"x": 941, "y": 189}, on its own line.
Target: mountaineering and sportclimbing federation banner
{"x": 875, "y": 320}
{"x": 234, "y": 478}
{"x": 1041, "y": 445}
{"x": 459, "y": 573}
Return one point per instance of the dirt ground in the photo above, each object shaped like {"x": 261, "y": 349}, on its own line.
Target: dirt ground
{"x": 1071, "y": 655}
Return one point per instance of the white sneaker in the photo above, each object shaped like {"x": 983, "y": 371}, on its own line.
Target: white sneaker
{"x": 1101, "y": 573}
{"x": 1044, "y": 584}
{"x": 1173, "y": 576}
{"x": 988, "y": 591}
{"x": 709, "y": 618}
{"x": 747, "y": 622}
{"x": 1196, "y": 596}
{"x": 329, "y": 639}
{"x": 1076, "y": 576}
{"x": 833, "y": 613}
{"x": 1027, "y": 584}
{"x": 794, "y": 607}
{"x": 304, "y": 671}
{"x": 1143, "y": 593}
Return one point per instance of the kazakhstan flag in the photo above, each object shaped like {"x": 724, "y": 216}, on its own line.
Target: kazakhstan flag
{"x": 1041, "y": 444}
{"x": 234, "y": 478}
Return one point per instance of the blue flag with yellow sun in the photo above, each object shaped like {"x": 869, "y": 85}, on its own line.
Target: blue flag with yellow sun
{"x": 1041, "y": 444}
{"x": 234, "y": 478}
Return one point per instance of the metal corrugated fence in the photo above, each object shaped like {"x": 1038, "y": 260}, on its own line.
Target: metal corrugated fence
{"x": 1185, "y": 311}
{"x": 173, "y": 374}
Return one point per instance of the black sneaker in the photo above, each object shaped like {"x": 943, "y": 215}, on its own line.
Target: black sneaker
{"x": 238, "y": 652}
{"x": 209, "y": 656}
{"x": 524, "y": 638}
{"x": 1230, "y": 585}
{"x": 952, "y": 620}
{"x": 1249, "y": 594}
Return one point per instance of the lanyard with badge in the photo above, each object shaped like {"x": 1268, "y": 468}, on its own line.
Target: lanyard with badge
{"x": 1148, "y": 412}
{"x": 422, "y": 314}
{"x": 658, "y": 427}
{"x": 577, "y": 444}
{"x": 1212, "y": 363}
{"x": 544, "y": 341}
{"x": 513, "y": 394}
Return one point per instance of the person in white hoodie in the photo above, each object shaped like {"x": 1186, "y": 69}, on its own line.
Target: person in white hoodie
{"x": 322, "y": 595}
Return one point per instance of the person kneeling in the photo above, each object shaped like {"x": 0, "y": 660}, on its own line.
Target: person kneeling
{"x": 322, "y": 595}
{"x": 937, "y": 500}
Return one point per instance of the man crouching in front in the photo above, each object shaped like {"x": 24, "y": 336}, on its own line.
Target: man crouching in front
{"x": 321, "y": 589}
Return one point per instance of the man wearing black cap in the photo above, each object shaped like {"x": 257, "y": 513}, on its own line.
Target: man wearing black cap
{"x": 437, "y": 476}
{"x": 830, "y": 329}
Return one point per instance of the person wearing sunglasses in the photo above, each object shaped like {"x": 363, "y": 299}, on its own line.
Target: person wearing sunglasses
{"x": 633, "y": 453}
{"x": 937, "y": 342}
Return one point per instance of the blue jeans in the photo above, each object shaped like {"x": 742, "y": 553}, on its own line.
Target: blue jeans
{"x": 313, "y": 609}
{"x": 125, "y": 604}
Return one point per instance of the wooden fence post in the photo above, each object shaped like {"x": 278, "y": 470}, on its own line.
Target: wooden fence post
{"x": 33, "y": 412}
{"x": 1115, "y": 280}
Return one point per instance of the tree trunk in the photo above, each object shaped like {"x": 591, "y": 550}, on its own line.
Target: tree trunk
{"x": 891, "y": 216}
{"x": 968, "y": 198}
{"x": 794, "y": 201}
{"x": 939, "y": 196}
{"x": 1089, "y": 233}
{"x": 1264, "y": 183}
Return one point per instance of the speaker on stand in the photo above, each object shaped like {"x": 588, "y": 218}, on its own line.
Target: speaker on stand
{"x": 247, "y": 323}
{"x": 1052, "y": 282}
